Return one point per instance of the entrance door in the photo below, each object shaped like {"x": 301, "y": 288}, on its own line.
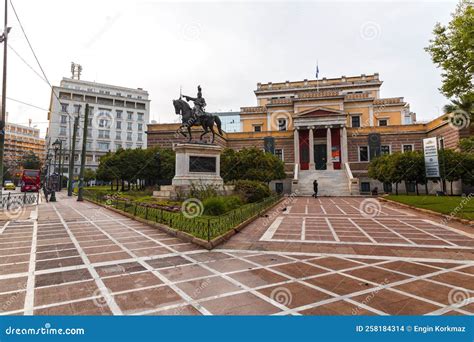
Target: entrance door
{"x": 320, "y": 157}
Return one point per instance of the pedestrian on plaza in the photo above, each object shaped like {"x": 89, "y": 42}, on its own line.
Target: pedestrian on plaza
{"x": 46, "y": 192}
{"x": 315, "y": 188}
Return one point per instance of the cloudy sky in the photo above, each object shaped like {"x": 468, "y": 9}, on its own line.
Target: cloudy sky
{"x": 227, "y": 47}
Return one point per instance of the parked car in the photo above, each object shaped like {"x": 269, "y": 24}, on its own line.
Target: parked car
{"x": 9, "y": 185}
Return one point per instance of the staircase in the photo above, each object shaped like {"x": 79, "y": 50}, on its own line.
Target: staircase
{"x": 330, "y": 183}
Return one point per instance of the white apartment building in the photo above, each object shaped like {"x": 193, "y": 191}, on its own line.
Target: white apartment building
{"x": 118, "y": 118}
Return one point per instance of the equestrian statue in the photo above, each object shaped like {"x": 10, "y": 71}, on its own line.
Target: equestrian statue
{"x": 196, "y": 116}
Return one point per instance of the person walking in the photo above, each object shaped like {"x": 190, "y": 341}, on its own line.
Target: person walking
{"x": 315, "y": 188}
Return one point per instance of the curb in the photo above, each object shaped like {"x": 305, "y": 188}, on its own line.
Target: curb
{"x": 431, "y": 212}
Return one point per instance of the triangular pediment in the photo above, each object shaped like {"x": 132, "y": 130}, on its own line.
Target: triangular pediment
{"x": 319, "y": 111}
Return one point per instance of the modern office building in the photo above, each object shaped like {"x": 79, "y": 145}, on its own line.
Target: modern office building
{"x": 117, "y": 119}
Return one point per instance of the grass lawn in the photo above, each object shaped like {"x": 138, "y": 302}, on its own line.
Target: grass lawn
{"x": 462, "y": 207}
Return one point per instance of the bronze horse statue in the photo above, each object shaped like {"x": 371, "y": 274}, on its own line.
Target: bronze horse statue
{"x": 206, "y": 121}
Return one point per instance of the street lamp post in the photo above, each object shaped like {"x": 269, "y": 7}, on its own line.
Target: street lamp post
{"x": 58, "y": 146}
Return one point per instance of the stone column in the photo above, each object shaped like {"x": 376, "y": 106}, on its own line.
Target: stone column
{"x": 344, "y": 152}
{"x": 329, "y": 165}
{"x": 296, "y": 143}
{"x": 311, "y": 148}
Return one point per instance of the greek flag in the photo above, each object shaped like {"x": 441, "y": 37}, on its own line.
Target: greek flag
{"x": 317, "y": 71}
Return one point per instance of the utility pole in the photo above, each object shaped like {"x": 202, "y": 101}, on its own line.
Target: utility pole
{"x": 71, "y": 157}
{"x": 4, "y": 38}
{"x": 83, "y": 155}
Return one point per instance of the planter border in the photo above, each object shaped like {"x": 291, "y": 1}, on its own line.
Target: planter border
{"x": 186, "y": 236}
{"x": 428, "y": 211}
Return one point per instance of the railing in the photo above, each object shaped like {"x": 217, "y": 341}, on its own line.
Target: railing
{"x": 201, "y": 226}
{"x": 352, "y": 181}
{"x": 18, "y": 199}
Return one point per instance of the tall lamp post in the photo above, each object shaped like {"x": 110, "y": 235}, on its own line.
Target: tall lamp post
{"x": 58, "y": 146}
{"x": 3, "y": 39}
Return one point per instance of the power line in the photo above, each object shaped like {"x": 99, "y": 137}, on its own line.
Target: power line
{"x": 27, "y": 64}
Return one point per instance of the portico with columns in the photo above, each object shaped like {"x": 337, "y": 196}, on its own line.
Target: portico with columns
{"x": 320, "y": 139}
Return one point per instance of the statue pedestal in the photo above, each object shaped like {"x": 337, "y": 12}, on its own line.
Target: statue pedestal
{"x": 197, "y": 166}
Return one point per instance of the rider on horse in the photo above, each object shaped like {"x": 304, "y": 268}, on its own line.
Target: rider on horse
{"x": 199, "y": 103}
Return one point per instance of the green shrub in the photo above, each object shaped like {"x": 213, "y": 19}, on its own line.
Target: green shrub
{"x": 214, "y": 206}
{"x": 219, "y": 205}
{"x": 252, "y": 191}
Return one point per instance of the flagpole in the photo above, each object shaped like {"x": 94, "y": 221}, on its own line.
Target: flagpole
{"x": 317, "y": 76}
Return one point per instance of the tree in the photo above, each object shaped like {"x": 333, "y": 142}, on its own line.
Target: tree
{"x": 89, "y": 175}
{"x": 30, "y": 161}
{"x": 451, "y": 166}
{"x": 452, "y": 50}
{"x": 251, "y": 164}
{"x": 467, "y": 144}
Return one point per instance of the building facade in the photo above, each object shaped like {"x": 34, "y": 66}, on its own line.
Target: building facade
{"x": 117, "y": 119}
{"x": 19, "y": 141}
{"x": 329, "y": 130}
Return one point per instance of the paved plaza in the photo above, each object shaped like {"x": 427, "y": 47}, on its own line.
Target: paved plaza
{"x": 327, "y": 256}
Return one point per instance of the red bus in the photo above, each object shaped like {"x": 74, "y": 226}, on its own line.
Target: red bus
{"x": 30, "y": 180}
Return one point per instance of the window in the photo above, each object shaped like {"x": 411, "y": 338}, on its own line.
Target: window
{"x": 89, "y": 146}
{"x": 365, "y": 187}
{"x": 355, "y": 121}
{"x": 140, "y": 127}
{"x": 383, "y": 122}
{"x": 62, "y": 130}
{"x": 140, "y": 116}
{"x": 103, "y": 134}
{"x": 103, "y": 146}
{"x": 282, "y": 124}
{"x": 257, "y": 128}
{"x": 407, "y": 148}
{"x": 119, "y": 114}
{"x": 63, "y": 119}
{"x": 64, "y": 107}
{"x": 118, "y": 135}
{"x": 139, "y": 137}
{"x": 117, "y": 146}
{"x": 279, "y": 153}
{"x": 129, "y": 126}
{"x": 119, "y": 125}
{"x": 77, "y": 109}
{"x": 139, "y": 146}
{"x": 129, "y": 115}
{"x": 384, "y": 149}
{"x": 129, "y": 145}
{"x": 363, "y": 153}
{"x": 119, "y": 94}
{"x": 103, "y": 123}
{"x": 129, "y": 135}
{"x": 129, "y": 96}
{"x": 89, "y": 132}
{"x": 89, "y": 122}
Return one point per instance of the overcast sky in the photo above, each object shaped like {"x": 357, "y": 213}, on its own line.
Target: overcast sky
{"x": 227, "y": 47}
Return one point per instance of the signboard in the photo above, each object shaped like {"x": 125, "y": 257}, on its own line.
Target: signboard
{"x": 269, "y": 144}
{"x": 335, "y": 154}
{"x": 374, "y": 145}
{"x": 202, "y": 164}
{"x": 430, "y": 150}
